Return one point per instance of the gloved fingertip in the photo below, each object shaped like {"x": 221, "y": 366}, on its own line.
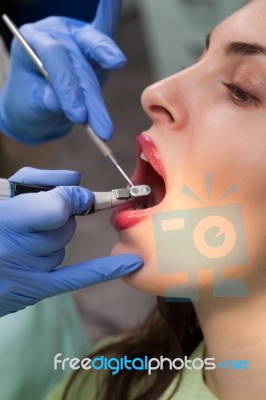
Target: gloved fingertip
{"x": 90, "y": 197}
{"x": 131, "y": 262}
{"x": 75, "y": 200}
{"x": 134, "y": 266}
{"x": 84, "y": 198}
{"x": 102, "y": 133}
{"x": 108, "y": 55}
{"x": 120, "y": 59}
{"x": 50, "y": 100}
{"x": 119, "y": 64}
{"x": 115, "y": 61}
{"x": 105, "y": 135}
{"x": 77, "y": 114}
{"x": 103, "y": 129}
{"x": 75, "y": 177}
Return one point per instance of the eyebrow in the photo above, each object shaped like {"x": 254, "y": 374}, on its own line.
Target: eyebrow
{"x": 239, "y": 48}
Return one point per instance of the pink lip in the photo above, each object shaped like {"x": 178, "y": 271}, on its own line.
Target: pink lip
{"x": 122, "y": 217}
{"x": 145, "y": 144}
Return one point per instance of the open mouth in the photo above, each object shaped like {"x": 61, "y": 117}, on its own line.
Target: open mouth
{"x": 149, "y": 171}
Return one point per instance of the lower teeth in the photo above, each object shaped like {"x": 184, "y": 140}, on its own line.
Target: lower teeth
{"x": 149, "y": 203}
{"x": 137, "y": 207}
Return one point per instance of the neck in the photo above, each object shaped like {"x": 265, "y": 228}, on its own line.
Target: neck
{"x": 235, "y": 330}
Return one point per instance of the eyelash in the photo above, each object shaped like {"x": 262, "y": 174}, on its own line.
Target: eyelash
{"x": 240, "y": 96}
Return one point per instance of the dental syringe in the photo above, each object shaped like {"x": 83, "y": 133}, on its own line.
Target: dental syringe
{"x": 102, "y": 200}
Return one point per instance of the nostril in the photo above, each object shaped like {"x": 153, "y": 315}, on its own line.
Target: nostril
{"x": 162, "y": 113}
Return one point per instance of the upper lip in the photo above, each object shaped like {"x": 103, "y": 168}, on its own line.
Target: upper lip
{"x": 145, "y": 144}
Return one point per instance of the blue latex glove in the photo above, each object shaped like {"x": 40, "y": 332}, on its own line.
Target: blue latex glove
{"x": 33, "y": 111}
{"x": 34, "y": 230}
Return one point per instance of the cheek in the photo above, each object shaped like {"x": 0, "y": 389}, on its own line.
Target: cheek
{"x": 209, "y": 164}
{"x": 232, "y": 150}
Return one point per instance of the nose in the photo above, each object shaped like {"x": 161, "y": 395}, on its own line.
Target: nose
{"x": 165, "y": 104}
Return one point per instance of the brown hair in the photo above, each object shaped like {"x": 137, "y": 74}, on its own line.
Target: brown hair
{"x": 171, "y": 330}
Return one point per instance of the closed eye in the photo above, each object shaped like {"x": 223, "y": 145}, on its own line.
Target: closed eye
{"x": 240, "y": 96}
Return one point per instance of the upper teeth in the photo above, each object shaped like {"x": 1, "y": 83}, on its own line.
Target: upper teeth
{"x": 143, "y": 157}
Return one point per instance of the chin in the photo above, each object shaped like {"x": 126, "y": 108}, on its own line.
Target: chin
{"x": 148, "y": 278}
{"x": 151, "y": 278}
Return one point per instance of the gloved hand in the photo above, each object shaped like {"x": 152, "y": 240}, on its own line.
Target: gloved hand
{"x": 77, "y": 57}
{"x": 34, "y": 230}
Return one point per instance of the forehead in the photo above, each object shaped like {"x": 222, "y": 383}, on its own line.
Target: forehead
{"x": 247, "y": 24}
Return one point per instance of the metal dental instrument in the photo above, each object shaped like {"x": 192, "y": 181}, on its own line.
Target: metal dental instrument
{"x": 115, "y": 198}
{"x": 100, "y": 144}
{"x": 103, "y": 200}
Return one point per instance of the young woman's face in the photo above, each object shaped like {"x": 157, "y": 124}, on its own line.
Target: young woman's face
{"x": 208, "y": 134}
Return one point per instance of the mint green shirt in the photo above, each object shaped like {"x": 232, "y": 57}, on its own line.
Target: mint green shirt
{"x": 191, "y": 387}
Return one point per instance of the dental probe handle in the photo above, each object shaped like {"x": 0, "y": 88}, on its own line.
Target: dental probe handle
{"x": 106, "y": 151}
{"x": 13, "y": 28}
{"x": 103, "y": 200}
{"x": 100, "y": 144}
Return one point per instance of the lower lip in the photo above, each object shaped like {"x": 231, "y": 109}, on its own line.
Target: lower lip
{"x": 124, "y": 218}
